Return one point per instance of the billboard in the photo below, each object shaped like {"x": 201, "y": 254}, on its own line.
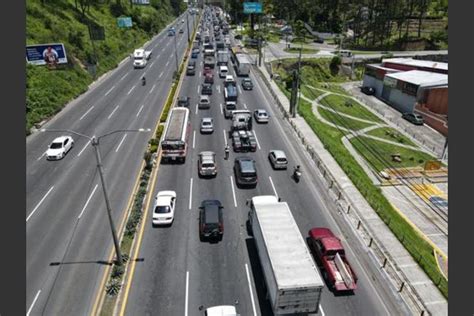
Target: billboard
{"x": 46, "y": 54}
{"x": 124, "y": 22}
{"x": 252, "y": 7}
{"x": 141, "y": 1}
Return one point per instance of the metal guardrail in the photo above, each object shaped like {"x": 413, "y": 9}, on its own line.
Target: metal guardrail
{"x": 343, "y": 202}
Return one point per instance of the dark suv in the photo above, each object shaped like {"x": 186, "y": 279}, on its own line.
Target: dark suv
{"x": 206, "y": 88}
{"x": 183, "y": 101}
{"x": 245, "y": 172}
{"x": 211, "y": 223}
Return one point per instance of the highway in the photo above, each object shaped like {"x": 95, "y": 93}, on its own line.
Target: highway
{"x": 68, "y": 235}
{"x": 179, "y": 275}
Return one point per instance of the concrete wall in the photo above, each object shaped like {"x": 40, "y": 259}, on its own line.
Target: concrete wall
{"x": 374, "y": 83}
{"x": 401, "y": 101}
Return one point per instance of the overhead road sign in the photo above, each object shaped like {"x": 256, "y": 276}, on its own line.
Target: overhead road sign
{"x": 252, "y": 7}
{"x": 124, "y": 22}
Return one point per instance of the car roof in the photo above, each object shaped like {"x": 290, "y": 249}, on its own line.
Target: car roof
{"x": 206, "y": 119}
{"x": 261, "y": 111}
{"x": 164, "y": 197}
{"x": 278, "y": 153}
{"x": 207, "y": 153}
{"x": 60, "y": 139}
{"x": 204, "y": 96}
{"x": 246, "y": 163}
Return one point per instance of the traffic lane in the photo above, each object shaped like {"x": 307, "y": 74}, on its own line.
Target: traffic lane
{"x": 89, "y": 243}
{"x": 308, "y": 211}
{"x": 40, "y": 238}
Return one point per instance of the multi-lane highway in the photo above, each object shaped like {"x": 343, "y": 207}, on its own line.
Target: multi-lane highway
{"x": 68, "y": 235}
{"x": 178, "y": 274}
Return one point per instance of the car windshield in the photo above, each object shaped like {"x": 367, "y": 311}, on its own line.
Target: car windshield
{"x": 208, "y": 165}
{"x": 56, "y": 145}
{"x": 162, "y": 209}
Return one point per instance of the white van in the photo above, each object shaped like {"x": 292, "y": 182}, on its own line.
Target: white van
{"x": 223, "y": 71}
{"x": 345, "y": 53}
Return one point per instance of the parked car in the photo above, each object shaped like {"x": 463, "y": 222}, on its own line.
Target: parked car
{"x": 163, "y": 210}
{"x": 278, "y": 159}
{"x": 207, "y": 164}
{"x": 209, "y": 78}
{"x": 245, "y": 172}
{"x": 414, "y": 118}
{"x": 247, "y": 84}
{"x": 261, "y": 116}
{"x": 206, "y": 88}
{"x": 183, "y": 101}
{"x": 59, "y": 148}
{"x": 204, "y": 102}
{"x": 207, "y": 125}
{"x": 368, "y": 90}
{"x": 211, "y": 221}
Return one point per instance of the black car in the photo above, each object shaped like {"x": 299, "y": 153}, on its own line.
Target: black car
{"x": 238, "y": 36}
{"x": 247, "y": 84}
{"x": 206, "y": 88}
{"x": 245, "y": 172}
{"x": 211, "y": 222}
{"x": 414, "y": 118}
{"x": 183, "y": 101}
{"x": 368, "y": 90}
{"x": 181, "y": 31}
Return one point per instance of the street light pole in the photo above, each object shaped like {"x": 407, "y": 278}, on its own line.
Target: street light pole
{"x": 187, "y": 25}
{"x": 176, "y": 54}
{"x": 95, "y": 144}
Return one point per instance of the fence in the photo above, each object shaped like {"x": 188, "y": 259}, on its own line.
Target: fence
{"x": 397, "y": 278}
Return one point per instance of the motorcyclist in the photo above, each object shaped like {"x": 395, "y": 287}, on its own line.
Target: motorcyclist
{"x": 143, "y": 80}
{"x": 297, "y": 171}
{"x": 226, "y": 151}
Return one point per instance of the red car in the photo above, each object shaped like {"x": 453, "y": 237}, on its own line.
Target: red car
{"x": 332, "y": 260}
{"x": 207, "y": 70}
{"x": 209, "y": 78}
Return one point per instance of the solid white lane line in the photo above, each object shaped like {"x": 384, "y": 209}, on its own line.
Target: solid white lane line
{"x": 322, "y": 310}
{"x": 161, "y": 74}
{"x": 141, "y": 108}
{"x": 196, "y": 109}
{"x": 39, "y": 158}
{"x": 123, "y": 77}
{"x": 255, "y": 134}
{"x": 225, "y": 138}
{"x": 240, "y": 90}
{"x": 113, "y": 112}
{"x": 273, "y": 186}
{"x": 186, "y": 295}
{"x": 32, "y": 304}
{"x": 110, "y": 90}
{"x": 222, "y": 111}
{"x": 152, "y": 88}
{"x": 88, "y": 200}
{"x": 84, "y": 115}
{"x": 131, "y": 90}
{"x": 233, "y": 190}
{"x": 245, "y": 106}
{"x": 194, "y": 138}
{"x": 250, "y": 289}
{"x": 191, "y": 193}
{"x": 118, "y": 147}
{"x": 84, "y": 148}
{"x": 39, "y": 203}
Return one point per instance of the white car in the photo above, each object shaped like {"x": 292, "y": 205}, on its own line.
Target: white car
{"x": 222, "y": 310}
{"x": 261, "y": 116}
{"x": 204, "y": 102}
{"x": 229, "y": 78}
{"x": 207, "y": 125}
{"x": 59, "y": 148}
{"x": 163, "y": 210}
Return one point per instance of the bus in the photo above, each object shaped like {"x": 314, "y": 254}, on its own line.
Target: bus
{"x": 175, "y": 135}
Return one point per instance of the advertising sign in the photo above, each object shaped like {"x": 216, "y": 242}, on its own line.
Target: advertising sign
{"x": 124, "y": 22}
{"x": 141, "y": 1}
{"x": 46, "y": 54}
{"x": 252, "y": 7}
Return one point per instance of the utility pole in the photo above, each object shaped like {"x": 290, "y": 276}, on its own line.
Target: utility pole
{"x": 295, "y": 87}
{"x": 176, "y": 54}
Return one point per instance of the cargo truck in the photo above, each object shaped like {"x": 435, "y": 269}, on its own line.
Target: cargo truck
{"x": 140, "y": 57}
{"x": 292, "y": 279}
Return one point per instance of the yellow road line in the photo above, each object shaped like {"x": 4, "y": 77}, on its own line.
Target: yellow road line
{"x": 140, "y": 236}
{"x": 432, "y": 244}
{"x": 100, "y": 295}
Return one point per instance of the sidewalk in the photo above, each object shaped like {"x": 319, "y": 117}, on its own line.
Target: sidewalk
{"x": 407, "y": 278}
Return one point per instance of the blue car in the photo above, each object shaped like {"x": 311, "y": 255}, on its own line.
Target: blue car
{"x": 195, "y": 53}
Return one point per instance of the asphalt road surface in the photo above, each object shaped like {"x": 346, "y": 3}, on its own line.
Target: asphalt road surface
{"x": 178, "y": 274}
{"x": 68, "y": 234}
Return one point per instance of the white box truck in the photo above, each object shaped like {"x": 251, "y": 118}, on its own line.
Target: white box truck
{"x": 140, "y": 57}
{"x": 292, "y": 279}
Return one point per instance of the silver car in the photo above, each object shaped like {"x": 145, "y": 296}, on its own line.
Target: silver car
{"x": 207, "y": 164}
{"x": 207, "y": 125}
{"x": 278, "y": 159}
{"x": 204, "y": 102}
{"x": 261, "y": 116}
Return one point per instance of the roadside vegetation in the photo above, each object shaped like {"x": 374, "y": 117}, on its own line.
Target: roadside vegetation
{"x": 331, "y": 137}
{"x": 392, "y": 135}
{"x": 304, "y": 50}
{"x": 55, "y": 21}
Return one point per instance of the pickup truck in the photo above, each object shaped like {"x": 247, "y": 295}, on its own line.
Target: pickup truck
{"x": 332, "y": 260}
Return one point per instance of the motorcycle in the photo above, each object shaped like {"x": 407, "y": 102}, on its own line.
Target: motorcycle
{"x": 143, "y": 81}
{"x": 297, "y": 174}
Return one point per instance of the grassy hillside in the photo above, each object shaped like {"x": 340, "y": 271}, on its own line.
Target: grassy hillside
{"x": 49, "y": 21}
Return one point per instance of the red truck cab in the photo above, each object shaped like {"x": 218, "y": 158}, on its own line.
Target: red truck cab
{"x": 331, "y": 257}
